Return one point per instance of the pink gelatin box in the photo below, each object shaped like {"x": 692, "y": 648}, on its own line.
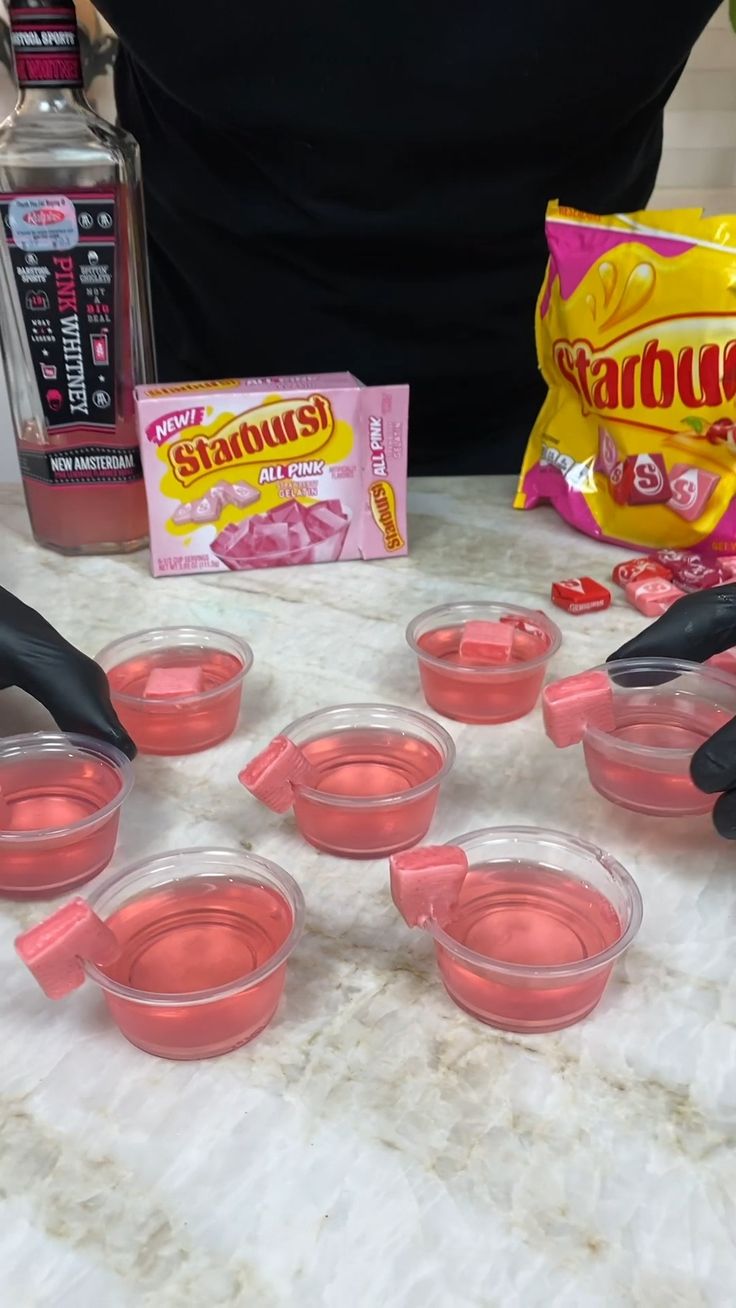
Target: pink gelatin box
{"x": 273, "y": 471}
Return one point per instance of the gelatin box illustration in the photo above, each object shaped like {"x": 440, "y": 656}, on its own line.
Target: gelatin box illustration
{"x": 273, "y": 471}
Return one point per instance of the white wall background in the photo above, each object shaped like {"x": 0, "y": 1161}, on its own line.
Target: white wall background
{"x": 698, "y": 163}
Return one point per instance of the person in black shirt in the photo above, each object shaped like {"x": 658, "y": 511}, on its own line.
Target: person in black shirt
{"x": 362, "y": 186}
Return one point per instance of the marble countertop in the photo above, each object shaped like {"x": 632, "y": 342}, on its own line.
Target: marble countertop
{"x": 375, "y": 1147}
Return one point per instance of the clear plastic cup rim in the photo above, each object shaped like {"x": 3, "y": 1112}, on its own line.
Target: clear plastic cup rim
{"x": 462, "y": 612}
{"x": 230, "y": 861}
{"x": 110, "y": 656}
{"x": 481, "y": 840}
{"x": 52, "y": 742}
{"x": 394, "y": 717}
{"x": 653, "y": 753}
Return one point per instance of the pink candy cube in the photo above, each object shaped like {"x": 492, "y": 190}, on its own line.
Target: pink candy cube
{"x": 652, "y": 596}
{"x": 691, "y": 490}
{"x": 571, "y": 705}
{"x": 272, "y": 774}
{"x": 54, "y": 951}
{"x": 174, "y": 683}
{"x": 487, "y": 642}
{"x": 426, "y": 882}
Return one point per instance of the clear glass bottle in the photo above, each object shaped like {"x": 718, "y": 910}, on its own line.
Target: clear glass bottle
{"x": 74, "y": 296}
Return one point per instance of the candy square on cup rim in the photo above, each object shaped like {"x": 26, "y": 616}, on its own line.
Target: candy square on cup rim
{"x": 470, "y": 689}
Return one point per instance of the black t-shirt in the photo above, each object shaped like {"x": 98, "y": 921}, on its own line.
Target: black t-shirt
{"x": 361, "y": 184}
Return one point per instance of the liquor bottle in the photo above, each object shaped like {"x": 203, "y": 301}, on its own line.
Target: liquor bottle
{"x": 75, "y": 312}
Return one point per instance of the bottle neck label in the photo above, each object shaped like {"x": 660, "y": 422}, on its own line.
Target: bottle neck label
{"x": 46, "y": 45}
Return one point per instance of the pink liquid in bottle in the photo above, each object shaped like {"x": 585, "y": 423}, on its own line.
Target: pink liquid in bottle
{"x": 79, "y": 519}
{"x": 657, "y": 785}
{"x": 189, "y": 937}
{"x": 526, "y": 914}
{"x": 53, "y": 798}
{"x": 367, "y": 766}
{"x": 500, "y": 693}
{"x": 178, "y": 725}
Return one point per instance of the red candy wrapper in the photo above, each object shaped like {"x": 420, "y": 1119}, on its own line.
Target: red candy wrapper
{"x": 580, "y": 595}
{"x": 623, "y": 573}
{"x": 700, "y": 576}
{"x": 641, "y": 479}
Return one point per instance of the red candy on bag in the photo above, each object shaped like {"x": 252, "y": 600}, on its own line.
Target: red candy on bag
{"x": 650, "y": 483}
{"x": 580, "y": 595}
{"x": 641, "y": 479}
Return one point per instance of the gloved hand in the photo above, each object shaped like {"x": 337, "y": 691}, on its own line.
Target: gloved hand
{"x": 695, "y": 628}
{"x": 71, "y": 686}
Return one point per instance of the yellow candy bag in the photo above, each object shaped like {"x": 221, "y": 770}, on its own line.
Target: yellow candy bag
{"x": 636, "y": 339}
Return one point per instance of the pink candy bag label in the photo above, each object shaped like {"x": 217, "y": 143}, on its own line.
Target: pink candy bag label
{"x": 271, "y": 472}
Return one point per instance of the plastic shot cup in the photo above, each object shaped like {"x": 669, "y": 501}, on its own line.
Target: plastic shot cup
{"x": 527, "y": 923}
{"x": 640, "y": 721}
{"x": 469, "y": 690}
{"x": 189, "y": 949}
{"x": 177, "y": 690}
{"x": 60, "y": 801}
{"x": 363, "y": 779}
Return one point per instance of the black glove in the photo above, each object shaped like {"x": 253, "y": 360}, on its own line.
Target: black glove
{"x": 695, "y": 628}
{"x": 71, "y": 686}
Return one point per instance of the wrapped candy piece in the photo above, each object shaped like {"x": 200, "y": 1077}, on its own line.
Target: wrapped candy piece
{"x": 691, "y": 490}
{"x": 653, "y": 596}
{"x": 608, "y": 452}
{"x": 206, "y": 509}
{"x": 580, "y": 595}
{"x": 238, "y": 493}
{"x": 623, "y": 573}
{"x": 182, "y": 514}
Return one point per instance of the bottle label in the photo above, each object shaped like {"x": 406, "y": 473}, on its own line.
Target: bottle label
{"x": 84, "y": 465}
{"x": 62, "y": 252}
{"x": 46, "y": 45}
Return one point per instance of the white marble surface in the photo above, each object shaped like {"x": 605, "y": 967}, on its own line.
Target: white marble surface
{"x": 376, "y": 1148}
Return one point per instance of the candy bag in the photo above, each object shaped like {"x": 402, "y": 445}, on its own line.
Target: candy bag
{"x": 636, "y": 339}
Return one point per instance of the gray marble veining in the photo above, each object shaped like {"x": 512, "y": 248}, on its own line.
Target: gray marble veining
{"x": 376, "y": 1148}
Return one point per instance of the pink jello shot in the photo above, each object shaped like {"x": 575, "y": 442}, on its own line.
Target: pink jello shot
{"x": 527, "y": 932}
{"x": 177, "y": 690}
{"x": 60, "y": 800}
{"x": 190, "y": 949}
{"x": 640, "y": 721}
{"x": 466, "y": 670}
{"x": 363, "y": 779}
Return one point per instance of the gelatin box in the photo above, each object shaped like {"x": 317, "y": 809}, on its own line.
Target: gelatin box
{"x": 273, "y": 471}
